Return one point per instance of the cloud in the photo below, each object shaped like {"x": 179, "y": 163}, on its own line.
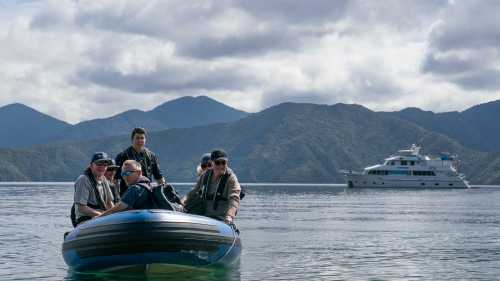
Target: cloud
{"x": 465, "y": 46}
{"x": 84, "y": 59}
{"x": 169, "y": 78}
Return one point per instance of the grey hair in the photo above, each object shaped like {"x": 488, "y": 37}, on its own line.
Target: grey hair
{"x": 133, "y": 164}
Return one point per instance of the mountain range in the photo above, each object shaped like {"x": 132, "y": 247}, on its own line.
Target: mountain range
{"x": 27, "y": 127}
{"x": 289, "y": 142}
{"x": 476, "y": 127}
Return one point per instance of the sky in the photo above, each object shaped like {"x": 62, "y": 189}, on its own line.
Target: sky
{"x": 80, "y": 60}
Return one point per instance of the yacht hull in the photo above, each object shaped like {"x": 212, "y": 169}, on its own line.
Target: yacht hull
{"x": 372, "y": 181}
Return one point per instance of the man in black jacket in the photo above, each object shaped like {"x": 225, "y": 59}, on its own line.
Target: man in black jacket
{"x": 138, "y": 152}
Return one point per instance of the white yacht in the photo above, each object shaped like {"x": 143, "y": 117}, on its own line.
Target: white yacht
{"x": 410, "y": 169}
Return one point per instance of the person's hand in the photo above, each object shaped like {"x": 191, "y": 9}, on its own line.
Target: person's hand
{"x": 228, "y": 220}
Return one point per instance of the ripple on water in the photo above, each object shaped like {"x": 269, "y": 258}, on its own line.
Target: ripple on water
{"x": 294, "y": 233}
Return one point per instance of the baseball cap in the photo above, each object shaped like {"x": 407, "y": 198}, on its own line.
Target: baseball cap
{"x": 101, "y": 157}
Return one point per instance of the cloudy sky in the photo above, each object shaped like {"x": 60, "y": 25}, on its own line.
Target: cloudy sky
{"x": 78, "y": 60}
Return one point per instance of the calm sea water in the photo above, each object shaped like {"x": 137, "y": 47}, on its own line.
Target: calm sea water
{"x": 293, "y": 233}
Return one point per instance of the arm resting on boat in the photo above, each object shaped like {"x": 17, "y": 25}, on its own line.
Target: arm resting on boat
{"x": 117, "y": 208}
{"x": 86, "y": 210}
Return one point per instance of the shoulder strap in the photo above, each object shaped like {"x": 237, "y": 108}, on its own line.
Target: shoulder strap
{"x": 222, "y": 184}
{"x": 149, "y": 162}
{"x": 73, "y": 215}
{"x": 207, "y": 176}
{"x": 129, "y": 153}
{"x": 93, "y": 183}
{"x": 221, "y": 189}
{"x": 148, "y": 153}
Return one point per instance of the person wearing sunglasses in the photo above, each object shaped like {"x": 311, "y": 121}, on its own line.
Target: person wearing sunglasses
{"x": 217, "y": 189}
{"x": 139, "y": 191}
{"x": 92, "y": 192}
{"x": 205, "y": 164}
{"x": 137, "y": 151}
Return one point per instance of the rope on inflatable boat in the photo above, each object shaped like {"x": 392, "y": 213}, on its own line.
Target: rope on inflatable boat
{"x": 232, "y": 244}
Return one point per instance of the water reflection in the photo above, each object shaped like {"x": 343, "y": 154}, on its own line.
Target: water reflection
{"x": 211, "y": 274}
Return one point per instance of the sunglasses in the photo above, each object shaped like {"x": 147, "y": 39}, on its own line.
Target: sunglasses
{"x": 127, "y": 173}
{"x": 220, "y": 162}
{"x": 208, "y": 165}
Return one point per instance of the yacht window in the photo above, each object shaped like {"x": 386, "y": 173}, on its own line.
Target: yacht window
{"x": 407, "y": 173}
{"x": 403, "y": 163}
{"x": 392, "y": 163}
{"x": 412, "y": 163}
{"x": 432, "y": 174}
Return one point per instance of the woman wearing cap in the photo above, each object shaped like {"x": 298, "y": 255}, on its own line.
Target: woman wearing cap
{"x": 205, "y": 164}
{"x": 112, "y": 181}
{"x": 217, "y": 189}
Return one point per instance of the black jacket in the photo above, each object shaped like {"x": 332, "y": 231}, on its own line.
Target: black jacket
{"x": 149, "y": 163}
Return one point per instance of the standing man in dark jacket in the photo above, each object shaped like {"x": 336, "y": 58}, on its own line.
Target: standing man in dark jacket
{"x": 139, "y": 153}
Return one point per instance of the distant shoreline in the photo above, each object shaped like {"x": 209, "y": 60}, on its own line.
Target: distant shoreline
{"x": 178, "y": 183}
{"x": 30, "y": 183}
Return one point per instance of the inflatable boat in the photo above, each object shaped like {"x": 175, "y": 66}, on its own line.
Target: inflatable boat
{"x": 150, "y": 238}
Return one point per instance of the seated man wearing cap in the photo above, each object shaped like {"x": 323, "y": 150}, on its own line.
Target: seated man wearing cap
{"x": 218, "y": 191}
{"x": 92, "y": 193}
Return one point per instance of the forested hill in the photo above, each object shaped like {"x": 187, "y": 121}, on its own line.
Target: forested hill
{"x": 285, "y": 143}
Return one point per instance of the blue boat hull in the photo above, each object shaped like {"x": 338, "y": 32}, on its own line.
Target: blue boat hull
{"x": 143, "y": 238}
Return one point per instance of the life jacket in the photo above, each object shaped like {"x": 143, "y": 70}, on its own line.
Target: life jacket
{"x": 155, "y": 198}
{"x": 221, "y": 187}
{"x": 147, "y": 165}
{"x": 100, "y": 201}
{"x": 198, "y": 202}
